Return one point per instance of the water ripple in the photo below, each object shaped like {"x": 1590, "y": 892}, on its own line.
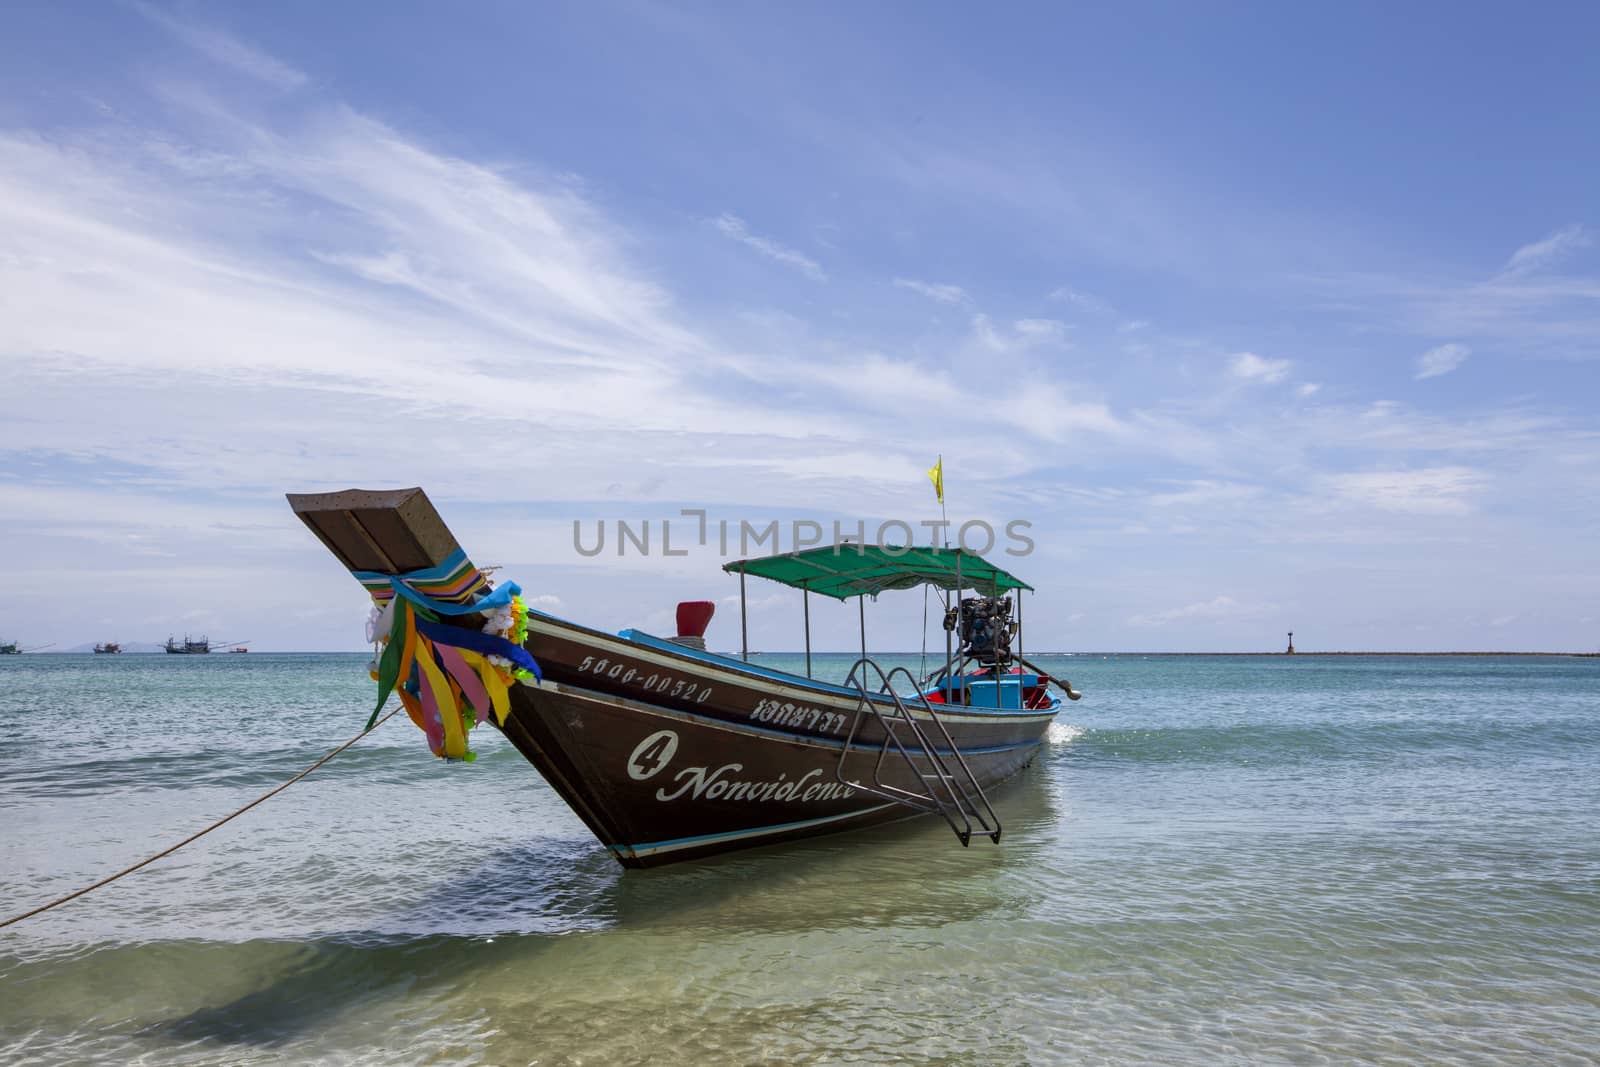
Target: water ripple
{"x": 1317, "y": 862}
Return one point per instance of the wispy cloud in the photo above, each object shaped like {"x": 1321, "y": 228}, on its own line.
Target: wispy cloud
{"x": 1431, "y": 491}
{"x": 447, "y": 291}
{"x": 1207, "y": 494}
{"x": 1217, "y": 609}
{"x": 1546, "y": 252}
{"x": 224, "y": 49}
{"x": 1247, "y": 366}
{"x": 1541, "y": 303}
{"x": 1023, "y": 333}
{"x": 1441, "y": 360}
{"x": 732, "y": 226}
{"x": 239, "y": 346}
{"x": 1053, "y": 330}
{"x": 945, "y": 294}
{"x": 1081, "y": 300}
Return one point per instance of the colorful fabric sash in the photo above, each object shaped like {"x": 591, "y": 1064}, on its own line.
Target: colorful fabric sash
{"x": 455, "y": 581}
{"x": 448, "y": 677}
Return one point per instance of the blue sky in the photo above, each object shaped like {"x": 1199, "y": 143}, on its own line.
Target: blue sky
{"x": 1266, "y": 318}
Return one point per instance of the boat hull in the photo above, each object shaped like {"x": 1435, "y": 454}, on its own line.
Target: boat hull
{"x": 659, "y": 785}
{"x": 670, "y": 755}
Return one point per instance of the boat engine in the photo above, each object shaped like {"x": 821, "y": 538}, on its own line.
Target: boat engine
{"x": 987, "y": 629}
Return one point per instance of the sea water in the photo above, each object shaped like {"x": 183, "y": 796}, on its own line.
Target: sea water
{"x": 1214, "y": 860}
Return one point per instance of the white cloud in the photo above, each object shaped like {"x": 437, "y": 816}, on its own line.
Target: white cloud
{"x": 1023, "y": 334}
{"x": 1430, "y": 491}
{"x": 226, "y": 50}
{"x": 1055, "y": 411}
{"x": 1066, "y": 294}
{"x": 1217, "y": 609}
{"x": 945, "y": 294}
{"x": 226, "y": 342}
{"x": 1528, "y": 307}
{"x": 733, "y": 226}
{"x": 1540, "y": 254}
{"x": 229, "y": 344}
{"x": 1441, "y": 360}
{"x": 756, "y": 602}
{"x": 1539, "y": 302}
{"x": 1041, "y": 330}
{"x": 1308, "y": 388}
{"x": 1207, "y": 494}
{"x": 987, "y": 336}
{"x": 1250, "y": 367}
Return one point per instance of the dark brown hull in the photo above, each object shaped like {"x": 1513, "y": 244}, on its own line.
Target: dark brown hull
{"x": 669, "y": 755}
{"x": 711, "y": 757}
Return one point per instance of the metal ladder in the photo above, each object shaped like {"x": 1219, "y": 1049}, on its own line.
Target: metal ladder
{"x": 949, "y": 788}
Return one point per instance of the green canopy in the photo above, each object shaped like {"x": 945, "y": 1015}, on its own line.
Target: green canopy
{"x": 844, "y": 571}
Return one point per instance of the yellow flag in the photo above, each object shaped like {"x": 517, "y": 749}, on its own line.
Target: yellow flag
{"x": 936, "y": 475}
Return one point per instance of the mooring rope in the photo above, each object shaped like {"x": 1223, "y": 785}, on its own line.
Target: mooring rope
{"x": 195, "y": 836}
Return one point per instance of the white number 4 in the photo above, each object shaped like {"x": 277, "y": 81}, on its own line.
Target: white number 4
{"x": 652, "y": 754}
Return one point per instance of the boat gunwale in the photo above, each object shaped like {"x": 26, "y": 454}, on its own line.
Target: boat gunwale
{"x": 788, "y": 684}
{"x": 764, "y": 732}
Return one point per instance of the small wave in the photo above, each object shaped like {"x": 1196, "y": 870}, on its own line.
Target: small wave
{"x": 1062, "y": 733}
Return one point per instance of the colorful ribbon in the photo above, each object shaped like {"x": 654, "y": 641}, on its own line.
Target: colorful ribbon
{"x": 449, "y": 678}
{"x": 487, "y": 644}
{"x": 454, "y": 581}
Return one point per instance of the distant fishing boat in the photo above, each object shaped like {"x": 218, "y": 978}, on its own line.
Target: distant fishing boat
{"x": 110, "y": 648}
{"x": 668, "y": 752}
{"x": 187, "y": 647}
{"x": 14, "y": 648}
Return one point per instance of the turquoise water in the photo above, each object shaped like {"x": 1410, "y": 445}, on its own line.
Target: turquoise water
{"x": 1264, "y": 860}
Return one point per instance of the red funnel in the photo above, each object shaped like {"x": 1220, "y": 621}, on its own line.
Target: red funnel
{"x": 694, "y": 616}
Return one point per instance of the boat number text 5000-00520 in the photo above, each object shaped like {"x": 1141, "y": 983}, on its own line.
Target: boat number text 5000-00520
{"x": 665, "y": 684}
{"x": 780, "y": 713}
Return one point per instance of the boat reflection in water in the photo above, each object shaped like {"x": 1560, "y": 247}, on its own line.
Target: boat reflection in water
{"x": 668, "y": 752}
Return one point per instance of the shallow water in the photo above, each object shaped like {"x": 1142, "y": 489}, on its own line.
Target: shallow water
{"x": 1266, "y": 860}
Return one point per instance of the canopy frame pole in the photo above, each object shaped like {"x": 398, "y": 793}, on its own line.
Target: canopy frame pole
{"x": 956, "y": 596}
{"x": 744, "y": 628}
{"x": 1022, "y": 692}
{"x": 949, "y": 652}
{"x": 861, "y": 601}
{"x": 805, "y": 601}
{"x": 994, "y": 592}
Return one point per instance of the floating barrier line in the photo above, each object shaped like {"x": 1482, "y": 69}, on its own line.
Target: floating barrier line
{"x": 199, "y": 834}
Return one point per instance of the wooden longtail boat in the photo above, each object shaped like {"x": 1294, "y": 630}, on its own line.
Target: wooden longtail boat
{"x": 668, "y": 752}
